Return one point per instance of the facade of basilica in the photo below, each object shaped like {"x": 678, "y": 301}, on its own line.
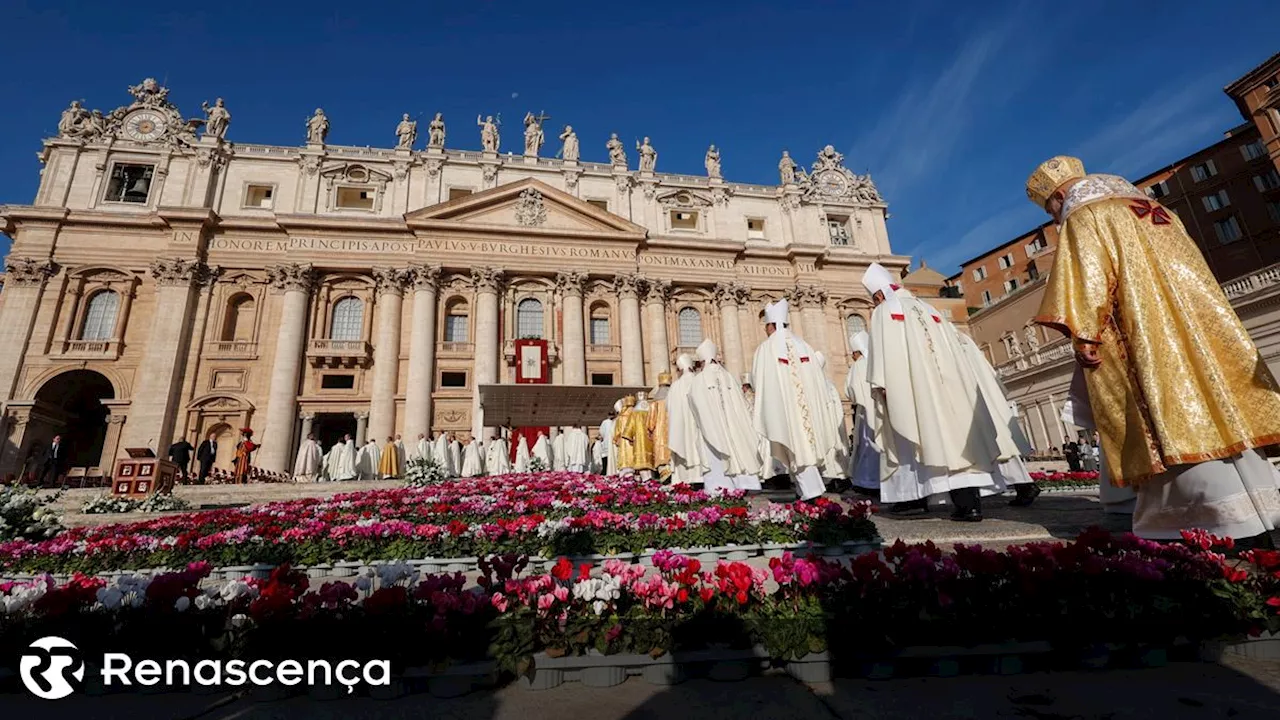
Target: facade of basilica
{"x": 167, "y": 282}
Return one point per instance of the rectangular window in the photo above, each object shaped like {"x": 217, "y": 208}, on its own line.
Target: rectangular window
{"x": 351, "y": 198}
{"x": 1006, "y": 261}
{"x": 455, "y": 193}
{"x": 1203, "y": 171}
{"x": 1227, "y": 230}
{"x": 684, "y": 220}
{"x": 1033, "y": 272}
{"x": 453, "y": 379}
{"x": 755, "y": 228}
{"x": 455, "y": 328}
{"x": 979, "y": 274}
{"x": 838, "y": 230}
{"x": 1270, "y": 180}
{"x": 986, "y": 298}
{"x": 1253, "y": 150}
{"x": 602, "y": 204}
{"x": 1010, "y": 285}
{"x": 601, "y": 378}
{"x": 600, "y": 331}
{"x": 959, "y": 286}
{"x": 1268, "y": 84}
{"x": 1273, "y": 210}
{"x": 1036, "y": 246}
{"x": 1158, "y": 190}
{"x": 1216, "y": 201}
{"x": 337, "y": 382}
{"x": 129, "y": 183}
{"x": 260, "y": 196}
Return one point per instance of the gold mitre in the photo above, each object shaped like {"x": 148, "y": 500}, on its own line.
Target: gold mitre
{"x": 1051, "y": 174}
{"x": 628, "y": 401}
{"x": 664, "y": 378}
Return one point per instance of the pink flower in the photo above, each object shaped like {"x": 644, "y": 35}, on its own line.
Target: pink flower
{"x": 561, "y": 593}
{"x": 499, "y": 601}
{"x": 545, "y": 602}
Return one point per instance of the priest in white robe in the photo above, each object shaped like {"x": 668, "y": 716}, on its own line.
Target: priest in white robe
{"x": 834, "y": 465}
{"x": 401, "y": 459}
{"x": 340, "y": 464}
{"x": 423, "y": 449}
{"x": 368, "y": 461}
{"x": 557, "y": 451}
{"x": 790, "y": 403}
{"x": 523, "y": 456}
{"x": 574, "y": 452}
{"x": 771, "y": 467}
{"x": 730, "y": 446}
{"x": 938, "y": 438}
{"x": 497, "y": 456}
{"x": 598, "y": 459}
{"x": 610, "y": 459}
{"x": 472, "y": 459}
{"x": 541, "y": 451}
{"x": 864, "y": 461}
{"x": 687, "y": 464}
{"x": 1078, "y": 412}
{"x": 449, "y": 452}
{"x": 306, "y": 467}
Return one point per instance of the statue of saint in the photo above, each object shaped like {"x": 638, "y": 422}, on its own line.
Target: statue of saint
{"x": 489, "y": 138}
{"x": 435, "y": 132}
{"x": 1033, "y": 338}
{"x": 217, "y": 119}
{"x": 648, "y": 156}
{"x": 73, "y": 123}
{"x": 317, "y": 128}
{"x": 712, "y": 162}
{"x": 570, "y": 149}
{"x": 617, "y": 153}
{"x": 406, "y": 133}
{"x": 533, "y": 136}
{"x": 787, "y": 169}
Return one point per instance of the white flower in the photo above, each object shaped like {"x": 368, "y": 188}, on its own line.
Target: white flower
{"x": 110, "y": 597}
{"x": 363, "y": 584}
{"x": 239, "y": 620}
{"x": 599, "y": 606}
{"x": 203, "y": 602}
{"x": 182, "y": 604}
{"x": 235, "y": 589}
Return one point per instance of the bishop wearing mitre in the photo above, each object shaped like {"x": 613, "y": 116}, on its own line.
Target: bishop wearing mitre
{"x": 682, "y": 429}
{"x": 497, "y": 456}
{"x": 659, "y": 424}
{"x": 790, "y": 401}
{"x": 938, "y": 438}
{"x": 635, "y": 446}
{"x": 1179, "y": 394}
{"x": 730, "y": 444}
{"x": 864, "y": 461}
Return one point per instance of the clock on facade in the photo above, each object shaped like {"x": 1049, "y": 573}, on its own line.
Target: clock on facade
{"x": 144, "y": 125}
{"x": 832, "y": 184}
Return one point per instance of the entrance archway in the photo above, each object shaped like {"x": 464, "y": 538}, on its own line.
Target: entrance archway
{"x": 72, "y": 405}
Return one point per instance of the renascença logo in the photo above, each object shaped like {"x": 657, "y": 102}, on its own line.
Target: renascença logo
{"x": 52, "y": 668}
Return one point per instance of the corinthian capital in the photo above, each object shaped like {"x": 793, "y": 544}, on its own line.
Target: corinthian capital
{"x": 177, "y": 272}
{"x": 817, "y": 295}
{"x": 28, "y": 272}
{"x": 657, "y": 291}
{"x": 571, "y": 282}
{"x": 797, "y": 296}
{"x": 390, "y": 281}
{"x": 726, "y": 293}
{"x": 283, "y": 278}
{"x": 628, "y": 285}
{"x": 487, "y": 279}
{"x": 425, "y": 277}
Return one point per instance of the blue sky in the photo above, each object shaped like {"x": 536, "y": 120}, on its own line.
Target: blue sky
{"x": 948, "y": 104}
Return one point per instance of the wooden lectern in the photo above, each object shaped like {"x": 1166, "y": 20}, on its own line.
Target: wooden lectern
{"x": 142, "y": 474}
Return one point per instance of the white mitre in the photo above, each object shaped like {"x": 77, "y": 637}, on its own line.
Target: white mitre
{"x": 879, "y": 280}
{"x": 684, "y": 362}
{"x": 778, "y": 313}
{"x": 858, "y": 342}
{"x": 617, "y": 406}
{"x": 746, "y": 379}
{"x": 706, "y": 351}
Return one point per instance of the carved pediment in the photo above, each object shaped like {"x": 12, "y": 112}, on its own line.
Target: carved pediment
{"x": 354, "y": 173}
{"x": 242, "y": 278}
{"x": 684, "y": 199}
{"x": 528, "y": 205}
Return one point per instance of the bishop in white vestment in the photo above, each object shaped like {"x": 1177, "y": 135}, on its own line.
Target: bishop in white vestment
{"x": 310, "y": 458}
{"x": 497, "y": 456}
{"x": 541, "y": 451}
{"x": 449, "y": 452}
{"x": 864, "y": 462}
{"x": 730, "y": 446}
{"x": 687, "y": 464}
{"x": 367, "y": 461}
{"x": 610, "y": 459}
{"x": 937, "y": 435}
{"x": 341, "y": 461}
{"x": 790, "y": 403}
{"x": 522, "y": 456}
{"x": 575, "y": 450}
{"x": 833, "y": 465}
{"x": 423, "y": 448}
{"x": 472, "y": 460}
{"x": 557, "y": 451}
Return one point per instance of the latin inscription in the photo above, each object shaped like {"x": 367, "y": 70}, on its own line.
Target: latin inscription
{"x": 490, "y": 247}
{"x": 324, "y": 244}
{"x": 764, "y": 270}
{"x": 687, "y": 262}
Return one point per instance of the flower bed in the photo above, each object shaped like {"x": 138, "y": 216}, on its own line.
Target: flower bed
{"x": 1099, "y": 589}
{"x": 548, "y": 515}
{"x": 1065, "y": 480}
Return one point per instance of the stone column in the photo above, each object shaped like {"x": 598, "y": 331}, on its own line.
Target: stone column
{"x": 23, "y": 285}
{"x": 362, "y": 427}
{"x": 422, "y": 352}
{"x": 294, "y": 283}
{"x": 487, "y": 282}
{"x": 1044, "y": 429}
{"x": 386, "y": 351}
{"x": 306, "y": 418}
{"x": 574, "y": 355}
{"x": 655, "y": 305}
{"x": 70, "y": 308}
{"x": 111, "y": 443}
{"x": 628, "y": 289}
{"x": 728, "y": 296}
{"x": 127, "y": 291}
{"x": 157, "y": 394}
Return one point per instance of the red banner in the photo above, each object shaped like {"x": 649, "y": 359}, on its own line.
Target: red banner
{"x": 532, "y": 366}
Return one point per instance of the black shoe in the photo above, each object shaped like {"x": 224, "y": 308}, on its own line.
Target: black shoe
{"x": 1025, "y": 498}
{"x": 910, "y": 507}
{"x": 967, "y": 516}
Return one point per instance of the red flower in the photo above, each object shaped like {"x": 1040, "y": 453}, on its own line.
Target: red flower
{"x": 706, "y": 593}
{"x": 584, "y": 571}
{"x": 1234, "y": 575}
{"x": 1274, "y": 602}
{"x": 563, "y": 569}
{"x": 682, "y": 596}
{"x": 741, "y": 597}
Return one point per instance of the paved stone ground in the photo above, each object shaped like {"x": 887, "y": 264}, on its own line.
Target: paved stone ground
{"x": 1239, "y": 688}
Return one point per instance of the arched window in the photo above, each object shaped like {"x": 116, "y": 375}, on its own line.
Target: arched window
{"x": 689, "y": 324}
{"x": 600, "y": 324}
{"x": 529, "y": 318}
{"x": 237, "y": 324}
{"x": 853, "y": 324}
{"x": 100, "y": 316}
{"x": 455, "y": 321}
{"x": 348, "y": 319}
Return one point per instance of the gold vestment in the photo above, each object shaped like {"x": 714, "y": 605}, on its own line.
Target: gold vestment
{"x": 658, "y": 429}
{"x": 635, "y": 448}
{"x": 1181, "y": 381}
